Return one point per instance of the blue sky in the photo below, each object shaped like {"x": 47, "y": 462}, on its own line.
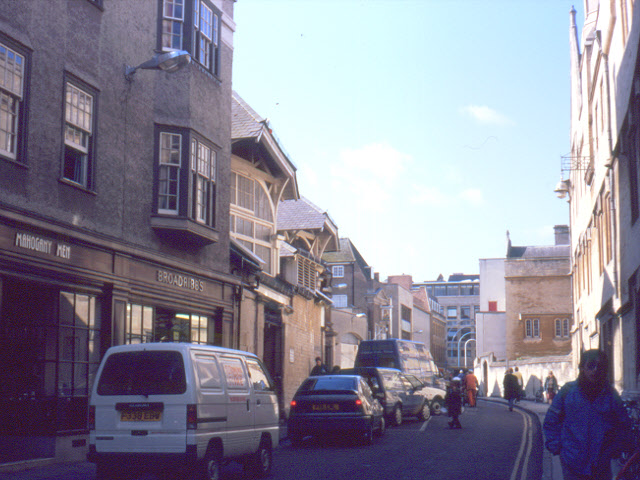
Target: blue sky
{"x": 426, "y": 128}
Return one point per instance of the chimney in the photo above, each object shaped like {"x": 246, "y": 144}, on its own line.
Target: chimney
{"x": 376, "y": 276}
{"x": 562, "y": 234}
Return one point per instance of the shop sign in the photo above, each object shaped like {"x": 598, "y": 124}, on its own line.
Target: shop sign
{"x": 38, "y": 244}
{"x": 182, "y": 281}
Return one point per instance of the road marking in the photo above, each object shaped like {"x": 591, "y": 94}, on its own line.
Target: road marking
{"x": 527, "y": 434}
{"x": 424, "y": 425}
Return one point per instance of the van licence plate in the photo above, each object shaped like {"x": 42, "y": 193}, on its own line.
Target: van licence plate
{"x": 140, "y": 416}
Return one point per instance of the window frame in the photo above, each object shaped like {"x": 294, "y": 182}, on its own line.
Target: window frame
{"x": 337, "y": 271}
{"x": 20, "y": 122}
{"x": 86, "y": 180}
{"x": 340, "y": 301}
{"x": 188, "y": 176}
{"x": 532, "y": 328}
{"x": 191, "y": 36}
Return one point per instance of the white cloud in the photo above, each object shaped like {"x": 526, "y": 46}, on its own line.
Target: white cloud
{"x": 486, "y": 115}
{"x": 368, "y": 176}
{"x": 472, "y": 196}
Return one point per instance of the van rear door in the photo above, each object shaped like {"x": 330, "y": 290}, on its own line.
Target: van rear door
{"x": 140, "y": 403}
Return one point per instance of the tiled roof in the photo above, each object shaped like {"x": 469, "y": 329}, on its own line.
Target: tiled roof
{"x": 301, "y": 215}
{"x": 551, "y": 251}
{"x": 245, "y": 122}
{"x": 344, "y": 255}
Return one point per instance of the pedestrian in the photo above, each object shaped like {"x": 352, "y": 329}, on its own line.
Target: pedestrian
{"x": 550, "y": 386}
{"x": 471, "y": 385}
{"x": 510, "y": 384}
{"x": 320, "y": 368}
{"x": 453, "y": 402}
{"x": 518, "y": 375}
{"x": 586, "y": 423}
{"x": 463, "y": 391}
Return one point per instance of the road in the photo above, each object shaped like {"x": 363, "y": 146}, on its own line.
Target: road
{"x": 494, "y": 444}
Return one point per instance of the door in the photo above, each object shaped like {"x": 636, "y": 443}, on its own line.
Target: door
{"x": 264, "y": 399}
{"x": 240, "y": 412}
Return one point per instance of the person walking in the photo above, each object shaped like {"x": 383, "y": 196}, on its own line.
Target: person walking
{"x": 471, "y": 386}
{"x": 550, "y": 386}
{"x": 518, "y": 375}
{"x": 510, "y": 384}
{"x": 319, "y": 368}
{"x": 586, "y": 423}
{"x": 453, "y": 402}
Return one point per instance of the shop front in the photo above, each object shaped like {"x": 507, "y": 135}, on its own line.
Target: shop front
{"x": 64, "y": 300}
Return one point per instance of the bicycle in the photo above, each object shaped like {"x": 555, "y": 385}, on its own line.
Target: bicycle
{"x": 631, "y": 461}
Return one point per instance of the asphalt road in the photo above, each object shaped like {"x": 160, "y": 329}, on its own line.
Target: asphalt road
{"x": 494, "y": 444}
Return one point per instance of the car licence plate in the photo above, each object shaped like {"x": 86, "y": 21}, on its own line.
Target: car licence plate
{"x": 325, "y": 407}
{"x": 140, "y": 416}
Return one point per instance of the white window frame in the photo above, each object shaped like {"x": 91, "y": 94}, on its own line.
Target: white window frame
{"x": 173, "y": 17}
{"x": 532, "y": 328}
{"x": 169, "y": 172}
{"x": 340, "y": 301}
{"x": 12, "y": 71}
{"x": 79, "y": 108}
{"x": 337, "y": 271}
{"x": 203, "y": 165}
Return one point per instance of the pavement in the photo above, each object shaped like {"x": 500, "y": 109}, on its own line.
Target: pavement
{"x": 551, "y": 469}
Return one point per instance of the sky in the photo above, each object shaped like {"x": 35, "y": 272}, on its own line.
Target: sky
{"x": 426, "y": 129}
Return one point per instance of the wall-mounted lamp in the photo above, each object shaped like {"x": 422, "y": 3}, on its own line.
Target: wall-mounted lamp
{"x": 169, "y": 62}
{"x": 360, "y": 315}
{"x": 340, "y": 285}
{"x": 562, "y": 188}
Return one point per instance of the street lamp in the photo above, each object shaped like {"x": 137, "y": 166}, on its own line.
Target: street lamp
{"x": 465, "y": 349}
{"x": 169, "y": 62}
{"x": 459, "y": 340}
{"x": 563, "y": 189}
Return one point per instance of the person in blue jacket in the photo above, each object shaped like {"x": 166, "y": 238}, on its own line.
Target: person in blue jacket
{"x": 586, "y": 423}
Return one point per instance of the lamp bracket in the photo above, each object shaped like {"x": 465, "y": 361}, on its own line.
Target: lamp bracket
{"x": 573, "y": 163}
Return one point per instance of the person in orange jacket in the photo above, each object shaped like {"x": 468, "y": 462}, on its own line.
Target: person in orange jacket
{"x": 471, "y": 385}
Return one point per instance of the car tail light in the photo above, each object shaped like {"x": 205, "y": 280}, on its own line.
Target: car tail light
{"x": 358, "y": 402}
{"x": 192, "y": 417}
{"x": 293, "y": 404}
{"x": 91, "y": 419}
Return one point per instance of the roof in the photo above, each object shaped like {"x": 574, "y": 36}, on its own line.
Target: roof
{"x": 245, "y": 121}
{"x": 550, "y": 251}
{"x": 302, "y": 215}
{"x": 461, "y": 277}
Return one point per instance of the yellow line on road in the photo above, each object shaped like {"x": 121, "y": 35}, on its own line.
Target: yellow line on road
{"x": 526, "y": 433}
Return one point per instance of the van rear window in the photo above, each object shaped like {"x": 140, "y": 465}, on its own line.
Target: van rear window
{"x": 143, "y": 373}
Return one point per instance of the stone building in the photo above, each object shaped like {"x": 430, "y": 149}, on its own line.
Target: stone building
{"x": 114, "y": 199}
{"x": 601, "y": 181}
{"x": 525, "y": 315}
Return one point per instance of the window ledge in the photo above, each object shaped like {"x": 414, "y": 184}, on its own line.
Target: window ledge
{"x": 180, "y": 230}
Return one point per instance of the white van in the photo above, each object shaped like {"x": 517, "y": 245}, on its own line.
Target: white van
{"x": 187, "y": 406}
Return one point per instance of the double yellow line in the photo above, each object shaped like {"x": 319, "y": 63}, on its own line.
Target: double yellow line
{"x": 526, "y": 446}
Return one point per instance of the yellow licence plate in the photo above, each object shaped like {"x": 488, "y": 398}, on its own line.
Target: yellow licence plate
{"x": 140, "y": 416}
{"x": 325, "y": 407}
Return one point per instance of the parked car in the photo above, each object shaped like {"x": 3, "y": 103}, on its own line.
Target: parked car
{"x": 401, "y": 395}
{"x": 180, "y": 405}
{"x": 330, "y": 404}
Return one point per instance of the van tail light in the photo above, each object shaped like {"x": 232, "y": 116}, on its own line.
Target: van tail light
{"x": 91, "y": 419}
{"x": 192, "y": 417}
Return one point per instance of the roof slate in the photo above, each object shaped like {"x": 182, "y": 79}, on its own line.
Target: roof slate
{"x": 245, "y": 121}
{"x": 301, "y": 215}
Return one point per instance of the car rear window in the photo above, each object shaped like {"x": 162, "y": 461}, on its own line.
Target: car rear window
{"x": 329, "y": 384}
{"x": 143, "y": 373}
